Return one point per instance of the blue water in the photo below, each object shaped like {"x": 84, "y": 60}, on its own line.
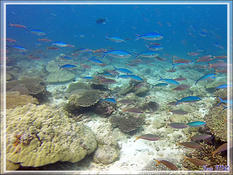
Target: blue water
{"x": 185, "y": 27}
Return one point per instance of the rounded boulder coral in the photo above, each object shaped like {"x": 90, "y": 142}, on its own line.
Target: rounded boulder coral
{"x": 41, "y": 135}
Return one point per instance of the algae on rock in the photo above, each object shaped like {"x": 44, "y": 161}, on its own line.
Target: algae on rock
{"x": 40, "y": 135}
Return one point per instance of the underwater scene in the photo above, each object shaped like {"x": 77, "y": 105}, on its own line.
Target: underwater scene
{"x": 116, "y": 88}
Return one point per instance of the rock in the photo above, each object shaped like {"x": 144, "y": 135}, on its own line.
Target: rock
{"x": 60, "y": 76}
{"x": 41, "y": 135}
{"x": 106, "y": 154}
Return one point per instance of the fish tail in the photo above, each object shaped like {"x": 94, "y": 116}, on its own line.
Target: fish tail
{"x": 138, "y": 137}
{"x": 157, "y": 162}
{"x": 160, "y": 77}
{"x": 177, "y": 102}
{"x": 196, "y": 82}
{"x": 137, "y": 37}
{"x": 221, "y": 101}
{"x": 213, "y": 153}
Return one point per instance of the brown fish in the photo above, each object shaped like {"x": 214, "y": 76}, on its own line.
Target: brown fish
{"x": 200, "y": 137}
{"x": 221, "y": 148}
{"x": 196, "y": 161}
{"x": 179, "y": 112}
{"x": 167, "y": 164}
{"x": 181, "y": 87}
{"x": 150, "y": 137}
{"x": 126, "y": 101}
{"x": 180, "y": 78}
{"x": 178, "y": 125}
{"x": 191, "y": 145}
{"x": 133, "y": 110}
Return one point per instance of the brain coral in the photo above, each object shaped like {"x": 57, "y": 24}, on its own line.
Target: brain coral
{"x": 40, "y": 135}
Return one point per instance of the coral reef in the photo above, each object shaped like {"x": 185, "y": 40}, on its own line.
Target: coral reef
{"x": 52, "y": 66}
{"x": 205, "y": 154}
{"x": 139, "y": 88}
{"x": 60, "y": 76}
{"x": 150, "y": 106}
{"x": 106, "y": 154}
{"x": 29, "y": 86}
{"x": 83, "y": 101}
{"x": 40, "y": 135}
{"x": 221, "y": 93}
{"x": 14, "y": 99}
{"x": 74, "y": 87}
{"x": 105, "y": 108}
{"x": 9, "y": 76}
{"x": 216, "y": 121}
{"x": 127, "y": 122}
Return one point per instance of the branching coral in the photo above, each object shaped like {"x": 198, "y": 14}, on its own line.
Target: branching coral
{"x": 205, "y": 154}
{"x": 216, "y": 121}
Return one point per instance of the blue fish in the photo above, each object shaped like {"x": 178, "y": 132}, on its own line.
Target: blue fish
{"x": 19, "y": 48}
{"x": 204, "y": 77}
{"x": 224, "y": 101}
{"x": 123, "y": 70}
{"x": 188, "y": 99}
{"x": 223, "y": 86}
{"x": 88, "y": 78}
{"x": 61, "y": 44}
{"x": 95, "y": 60}
{"x": 115, "y": 39}
{"x": 155, "y": 47}
{"x": 161, "y": 84}
{"x": 169, "y": 81}
{"x": 38, "y": 32}
{"x": 118, "y": 54}
{"x": 150, "y": 36}
{"x": 124, "y": 76}
{"x": 196, "y": 123}
{"x": 67, "y": 66}
{"x": 67, "y": 57}
{"x": 112, "y": 100}
{"x": 151, "y": 54}
{"x": 135, "y": 77}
